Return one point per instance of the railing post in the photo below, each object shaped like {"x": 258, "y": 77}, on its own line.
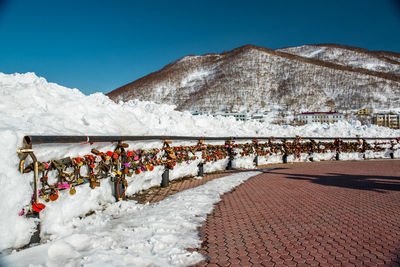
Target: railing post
{"x": 256, "y": 160}
{"x": 28, "y": 151}
{"x": 337, "y": 143}
{"x": 201, "y": 170}
{"x": 284, "y": 157}
{"x": 392, "y": 149}
{"x": 363, "y": 148}
{"x": 165, "y": 178}
{"x": 230, "y": 153}
{"x": 256, "y": 149}
{"x": 120, "y": 183}
{"x": 229, "y": 166}
{"x": 312, "y": 149}
{"x": 35, "y": 238}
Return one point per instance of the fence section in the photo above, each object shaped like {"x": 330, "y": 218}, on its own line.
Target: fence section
{"x": 122, "y": 162}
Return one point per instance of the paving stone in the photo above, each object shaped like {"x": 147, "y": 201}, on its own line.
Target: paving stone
{"x": 343, "y": 213}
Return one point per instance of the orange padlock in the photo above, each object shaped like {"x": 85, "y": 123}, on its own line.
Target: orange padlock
{"x": 54, "y": 195}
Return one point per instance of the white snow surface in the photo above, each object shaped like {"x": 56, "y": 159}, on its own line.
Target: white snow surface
{"x": 29, "y": 105}
{"x": 130, "y": 234}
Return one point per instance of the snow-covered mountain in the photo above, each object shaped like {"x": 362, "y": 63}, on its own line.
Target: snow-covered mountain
{"x": 379, "y": 61}
{"x": 254, "y": 79}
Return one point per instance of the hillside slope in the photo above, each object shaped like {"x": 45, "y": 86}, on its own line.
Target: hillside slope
{"x": 254, "y": 79}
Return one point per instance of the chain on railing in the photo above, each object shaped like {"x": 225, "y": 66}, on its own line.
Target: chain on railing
{"x": 123, "y": 162}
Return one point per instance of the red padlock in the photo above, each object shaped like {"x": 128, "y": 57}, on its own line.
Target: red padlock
{"x": 38, "y": 207}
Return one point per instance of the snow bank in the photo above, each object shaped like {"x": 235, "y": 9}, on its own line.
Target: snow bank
{"x": 32, "y": 106}
{"x": 130, "y": 234}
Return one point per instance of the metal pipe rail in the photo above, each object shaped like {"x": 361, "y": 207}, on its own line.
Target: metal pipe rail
{"x": 31, "y": 140}
{"x": 50, "y": 139}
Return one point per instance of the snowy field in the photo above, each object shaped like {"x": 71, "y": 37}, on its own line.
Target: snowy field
{"x": 124, "y": 233}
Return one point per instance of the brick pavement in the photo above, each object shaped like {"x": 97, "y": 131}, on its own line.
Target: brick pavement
{"x": 157, "y": 193}
{"x": 322, "y": 213}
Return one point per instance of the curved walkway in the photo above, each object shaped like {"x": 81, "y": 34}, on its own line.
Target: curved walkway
{"x": 322, "y": 213}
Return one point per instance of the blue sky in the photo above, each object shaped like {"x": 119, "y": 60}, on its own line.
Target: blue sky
{"x": 97, "y": 46}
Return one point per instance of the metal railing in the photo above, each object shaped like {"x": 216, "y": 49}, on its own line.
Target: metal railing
{"x": 122, "y": 162}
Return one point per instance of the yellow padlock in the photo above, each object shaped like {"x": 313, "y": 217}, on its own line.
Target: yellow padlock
{"x": 72, "y": 191}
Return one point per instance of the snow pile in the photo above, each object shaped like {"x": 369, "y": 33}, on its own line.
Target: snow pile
{"x": 32, "y": 106}
{"x": 128, "y": 234}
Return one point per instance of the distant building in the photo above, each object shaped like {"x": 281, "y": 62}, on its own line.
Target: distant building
{"x": 258, "y": 117}
{"x": 321, "y": 117}
{"x": 390, "y": 120}
{"x": 197, "y": 112}
{"x": 237, "y": 116}
{"x": 363, "y": 111}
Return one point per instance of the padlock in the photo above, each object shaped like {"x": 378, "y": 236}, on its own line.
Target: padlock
{"x": 92, "y": 184}
{"x": 72, "y": 191}
{"x": 150, "y": 167}
{"x": 53, "y": 195}
{"x": 45, "y": 198}
{"x": 123, "y": 145}
{"x": 38, "y": 207}
{"x": 95, "y": 151}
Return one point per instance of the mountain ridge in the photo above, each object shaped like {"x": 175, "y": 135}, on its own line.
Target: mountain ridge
{"x": 187, "y": 81}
